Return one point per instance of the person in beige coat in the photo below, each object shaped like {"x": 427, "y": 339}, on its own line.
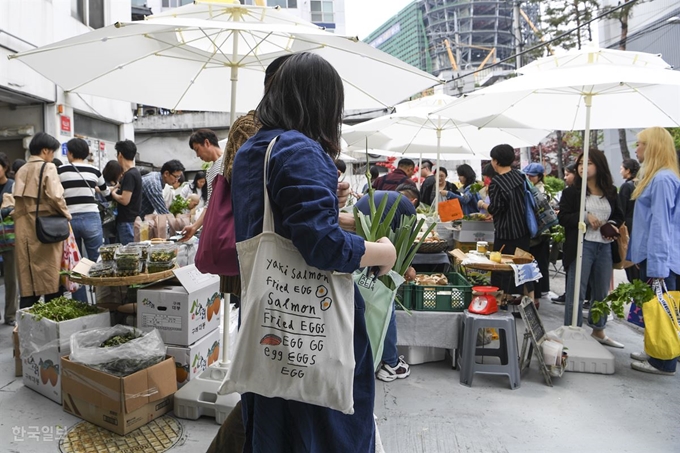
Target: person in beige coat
{"x": 37, "y": 264}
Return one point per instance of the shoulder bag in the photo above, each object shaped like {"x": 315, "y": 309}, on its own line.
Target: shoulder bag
{"x": 49, "y": 229}
{"x": 297, "y": 324}
{"x": 662, "y": 332}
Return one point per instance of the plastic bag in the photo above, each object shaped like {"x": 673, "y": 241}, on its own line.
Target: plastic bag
{"x": 146, "y": 350}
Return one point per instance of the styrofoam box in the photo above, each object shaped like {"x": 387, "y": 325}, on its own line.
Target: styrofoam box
{"x": 414, "y": 355}
{"x": 473, "y": 231}
{"x": 43, "y": 342}
{"x": 190, "y": 361}
{"x": 182, "y": 314}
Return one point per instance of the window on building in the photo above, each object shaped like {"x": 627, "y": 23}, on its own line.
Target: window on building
{"x": 322, "y": 11}
{"x": 175, "y": 3}
{"x": 283, "y": 3}
{"x": 95, "y": 128}
{"x": 89, "y": 12}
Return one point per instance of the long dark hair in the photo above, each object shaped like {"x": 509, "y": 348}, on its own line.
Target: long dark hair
{"x": 194, "y": 185}
{"x": 603, "y": 178}
{"x": 468, "y": 173}
{"x": 306, "y": 95}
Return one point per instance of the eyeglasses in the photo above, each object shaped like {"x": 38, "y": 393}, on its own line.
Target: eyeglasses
{"x": 176, "y": 176}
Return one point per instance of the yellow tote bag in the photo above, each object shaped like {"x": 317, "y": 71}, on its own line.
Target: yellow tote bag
{"x": 662, "y": 332}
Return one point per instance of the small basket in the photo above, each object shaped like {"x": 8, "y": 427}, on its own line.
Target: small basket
{"x": 521, "y": 260}
{"x": 433, "y": 247}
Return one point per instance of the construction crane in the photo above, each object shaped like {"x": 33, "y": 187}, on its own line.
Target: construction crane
{"x": 535, "y": 30}
{"x": 492, "y": 51}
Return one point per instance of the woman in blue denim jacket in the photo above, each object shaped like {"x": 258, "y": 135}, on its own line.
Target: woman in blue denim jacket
{"x": 302, "y": 106}
{"x": 468, "y": 200}
{"x": 655, "y": 241}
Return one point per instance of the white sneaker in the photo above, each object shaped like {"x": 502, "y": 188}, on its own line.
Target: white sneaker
{"x": 388, "y": 374}
{"x": 639, "y": 356}
{"x": 646, "y": 367}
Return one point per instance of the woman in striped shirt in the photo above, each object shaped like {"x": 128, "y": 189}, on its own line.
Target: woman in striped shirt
{"x": 506, "y": 205}
{"x": 80, "y": 181}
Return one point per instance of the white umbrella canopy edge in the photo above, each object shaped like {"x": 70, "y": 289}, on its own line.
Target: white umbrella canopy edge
{"x": 594, "y": 55}
{"x": 108, "y": 74}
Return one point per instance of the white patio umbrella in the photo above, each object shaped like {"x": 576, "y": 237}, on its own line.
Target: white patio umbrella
{"x": 187, "y": 63}
{"x": 412, "y": 129}
{"x": 588, "y": 91}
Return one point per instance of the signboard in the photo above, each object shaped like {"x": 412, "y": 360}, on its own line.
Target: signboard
{"x": 102, "y": 145}
{"x": 64, "y": 149}
{"x": 65, "y": 125}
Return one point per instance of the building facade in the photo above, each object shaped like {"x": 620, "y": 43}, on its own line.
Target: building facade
{"x": 30, "y": 103}
{"x": 403, "y": 37}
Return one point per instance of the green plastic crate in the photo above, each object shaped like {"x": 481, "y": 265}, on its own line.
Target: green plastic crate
{"x": 406, "y": 295}
{"x": 455, "y": 296}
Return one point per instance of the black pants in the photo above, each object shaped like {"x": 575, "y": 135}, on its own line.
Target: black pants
{"x": 505, "y": 281}
{"x": 540, "y": 249}
{"x": 28, "y": 301}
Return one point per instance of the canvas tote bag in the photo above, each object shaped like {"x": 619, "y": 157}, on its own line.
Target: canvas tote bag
{"x": 662, "y": 331}
{"x": 296, "y": 339}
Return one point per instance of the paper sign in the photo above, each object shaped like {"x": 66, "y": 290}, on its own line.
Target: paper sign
{"x": 83, "y": 266}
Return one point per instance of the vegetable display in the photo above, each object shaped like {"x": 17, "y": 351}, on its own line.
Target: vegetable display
{"x": 62, "y": 309}
{"x": 179, "y": 205}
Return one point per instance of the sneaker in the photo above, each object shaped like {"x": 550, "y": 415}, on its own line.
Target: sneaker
{"x": 646, "y": 367}
{"x": 639, "y": 356}
{"x": 586, "y": 305}
{"x": 387, "y": 373}
{"x": 560, "y": 300}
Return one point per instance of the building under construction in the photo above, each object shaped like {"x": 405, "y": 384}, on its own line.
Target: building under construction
{"x": 460, "y": 36}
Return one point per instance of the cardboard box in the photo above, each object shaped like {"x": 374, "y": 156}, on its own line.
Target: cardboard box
{"x": 415, "y": 355}
{"x": 190, "y": 361}
{"x": 467, "y": 246}
{"x": 43, "y": 343}
{"x": 473, "y": 231}
{"x": 182, "y": 314}
{"x": 16, "y": 352}
{"x": 119, "y": 404}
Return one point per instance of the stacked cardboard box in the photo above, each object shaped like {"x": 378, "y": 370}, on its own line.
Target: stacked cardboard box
{"x": 119, "y": 404}
{"x": 43, "y": 342}
{"x": 187, "y": 317}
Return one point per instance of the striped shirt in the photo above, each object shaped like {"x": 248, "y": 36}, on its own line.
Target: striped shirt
{"x": 214, "y": 170}
{"x": 152, "y": 194}
{"x": 79, "y": 187}
{"x": 507, "y": 207}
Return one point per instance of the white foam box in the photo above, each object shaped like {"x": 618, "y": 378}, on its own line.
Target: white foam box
{"x": 473, "y": 231}
{"x": 191, "y": 360}
{"x": 43, "y": 342}
{"x": 415, "y": 355}
{"x": 182, "y": 314}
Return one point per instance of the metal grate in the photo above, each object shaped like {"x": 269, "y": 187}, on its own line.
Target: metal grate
{"x": 155, "y": 437}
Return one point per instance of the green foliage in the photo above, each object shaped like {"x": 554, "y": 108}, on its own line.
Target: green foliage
{"x": 205, "y": 166}
{"x": 615, "y": 301}
{"x": 179, "y": 205}
{"x": 557, "y": 234}
{"x": 476, "y": 187}
{"x": 553, "y": 185}
{"x": 62, "y": 309}
{"x": 563, "y": 15}
{"x": 675, "y": 132}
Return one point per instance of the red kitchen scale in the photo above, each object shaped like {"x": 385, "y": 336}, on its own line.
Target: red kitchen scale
{"x": 484, "y": 303}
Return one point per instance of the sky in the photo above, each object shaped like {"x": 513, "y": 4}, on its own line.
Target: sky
{"x": 364, "y": 16}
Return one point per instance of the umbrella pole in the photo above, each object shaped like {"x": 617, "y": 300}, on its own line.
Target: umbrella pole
{"x": 575, "y": 313}
{"x": 234, "y": 80}
{"x": 436, "y": 182}
{"x": 420, "y": 166}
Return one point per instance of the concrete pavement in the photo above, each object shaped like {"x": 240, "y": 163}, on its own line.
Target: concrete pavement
{"x": 431, "y": 412}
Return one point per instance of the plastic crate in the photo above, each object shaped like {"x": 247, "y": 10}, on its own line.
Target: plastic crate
{"x": 455, "y": 296}
{"x": 405, "y": 294}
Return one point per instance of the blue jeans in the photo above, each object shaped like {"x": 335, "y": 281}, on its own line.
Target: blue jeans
{"x": 663, "y": 365}
{"x": 597, "y": 270}
{"x": 125, "y": 232}
{"x": 87, "y": 229}
{"x": 390, "y": 355}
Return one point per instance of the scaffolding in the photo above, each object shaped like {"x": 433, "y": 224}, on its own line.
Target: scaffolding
{"x": 474, "y": 28}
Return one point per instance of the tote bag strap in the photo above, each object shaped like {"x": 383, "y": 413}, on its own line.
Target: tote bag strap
{"x": 659, "y": 286}
{"x": 37, "y": 202}
{"x": 268, "y": 219}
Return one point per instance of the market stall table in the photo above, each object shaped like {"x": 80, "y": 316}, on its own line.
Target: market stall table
{"x": 429, "y": 329}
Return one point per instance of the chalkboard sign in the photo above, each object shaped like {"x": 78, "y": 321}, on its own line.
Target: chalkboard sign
{"x": 531, "y": 319}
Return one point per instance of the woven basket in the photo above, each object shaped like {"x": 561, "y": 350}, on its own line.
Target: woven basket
{"x": 521, "y": 260}
{"x": 433, "y": 247}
